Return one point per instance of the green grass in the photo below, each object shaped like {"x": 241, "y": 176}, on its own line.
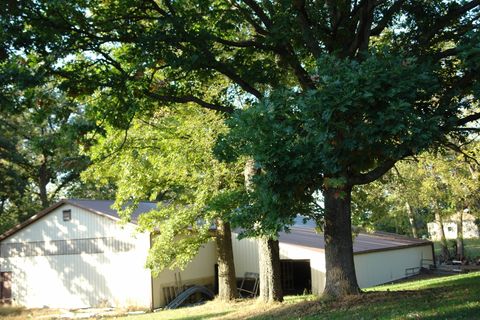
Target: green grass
{"x": 10, "y": 311}
{"x": 472, "y": 247}
{"x": 452, "y": 297}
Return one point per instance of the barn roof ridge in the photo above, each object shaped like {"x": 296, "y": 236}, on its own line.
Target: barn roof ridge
{"x": 85, "y": 204}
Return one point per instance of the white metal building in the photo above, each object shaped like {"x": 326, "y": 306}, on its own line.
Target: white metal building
{"x": 379, "y": 258}
{"x": 76, "y": 254}
{"x": 450, "y": 225}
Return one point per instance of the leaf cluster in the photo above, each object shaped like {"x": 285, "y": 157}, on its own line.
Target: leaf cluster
{"x": 167, "y": 157}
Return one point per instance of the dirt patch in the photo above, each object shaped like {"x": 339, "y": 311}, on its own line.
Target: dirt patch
{"x": 19, "y": 313}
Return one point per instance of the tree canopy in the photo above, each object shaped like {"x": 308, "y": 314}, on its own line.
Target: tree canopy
{"x": 41, "y": 130}
{"x": 442, "y": 183}
{"x": 168, "y": 157}
{"x": 329, "y": 94}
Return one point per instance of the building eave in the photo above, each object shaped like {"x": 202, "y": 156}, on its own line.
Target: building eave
{"x": 46, "y": 211}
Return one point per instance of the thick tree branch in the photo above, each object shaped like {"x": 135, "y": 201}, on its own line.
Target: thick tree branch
{"x": 188, "y": 98}
{"x": 443, "y": 21}
{"x": 243, "y": 44}
{"x": 362, "y": 35}
{"x": 387, "y": 17}
{"x": 157, "y": 8}
{"x": 259, "y": 12}
{"x": 306, "y": 26}
{"x": 110, "y": 60}
{"x": 227, "y": 71}
{"x": 467, "y": 119}
{"x": 288, "y": 56}
{"x": 373, "y": 174}
{"x": 246, "y": 14}
{"x": 71, "y": 177}
{"x": 470, "y": 129}
{"x": 336, "y": 14}
{"x": 446, "y": 53}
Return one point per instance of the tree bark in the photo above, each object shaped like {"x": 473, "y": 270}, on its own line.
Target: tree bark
{"x": 460, "y": 248}
{"x": 269, "y": 261}
{"x": 412, "y": 220}
{"x": 341, "y": 278}
{"x": 227, "y": 281}
{"x": 43, "y": 179}
{"x": 443, "y": 239}
{"x": 268, "y": 252}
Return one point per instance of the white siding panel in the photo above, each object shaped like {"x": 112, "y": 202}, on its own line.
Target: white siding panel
{"x": 84, "y": 224}
{"x": 80, "y": 280}
{"x": 245, "y": 255}
{"x": 200, "y": 271}
{"x": 371, "y": 268}
{"x": 317, "y": 263}
{"x": 385, "y": 266}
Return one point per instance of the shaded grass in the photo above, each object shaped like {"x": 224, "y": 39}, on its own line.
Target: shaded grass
{"x": 20, "y": 313}
{"x": 451, "y": 297}
{"x": 10, "y": 311}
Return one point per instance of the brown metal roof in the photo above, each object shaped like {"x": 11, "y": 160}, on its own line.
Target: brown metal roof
{"x": 306, "y": 236}
{"x": 101, "y": 207}
{"x": 105, "y": 207}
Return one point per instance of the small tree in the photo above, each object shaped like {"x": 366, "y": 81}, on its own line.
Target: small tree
{"x": 166, "y": 156}
{"x": 40, "y": 132}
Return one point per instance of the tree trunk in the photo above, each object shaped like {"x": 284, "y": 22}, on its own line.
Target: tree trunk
{"x": 443, "y": 239}
{"x": 43, "y": 179}
{"x": 268, "y": 252}
{"x": 412, "y": 220}
{"x": 270, "y": 282}
{"x": 460, "y": 249}
{"x": 227, "y": 281}
{"x": 341, "y": 279}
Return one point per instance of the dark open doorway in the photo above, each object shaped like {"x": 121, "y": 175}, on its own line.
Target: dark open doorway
{"x": 296, "y": 276}
{"x": 5, "y": 287}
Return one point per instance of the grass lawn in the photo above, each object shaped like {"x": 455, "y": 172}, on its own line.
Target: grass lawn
{"x": 472, "y": 247}
{"x": 452, "y": 297}
{"x": 19, "y": 313}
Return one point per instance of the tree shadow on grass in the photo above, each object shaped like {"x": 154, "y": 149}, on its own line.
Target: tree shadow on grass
{"x": 416, "y": 304}
{"x": 463, "y": 312}
{"x": 212, "y": 315}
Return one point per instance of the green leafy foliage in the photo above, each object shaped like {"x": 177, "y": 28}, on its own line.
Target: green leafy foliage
{"x": 363, "y": 113}
{"x": 442, "y": 183}
{"x": 167, "y": 157}
{"x": 40, "y": 133}
{"x": 332, "y": 93}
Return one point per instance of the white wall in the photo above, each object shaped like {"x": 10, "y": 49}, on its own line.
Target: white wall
{"x": 200, "y": 271}
{"x": 80, "y": 280}
{"x": 245, "y": 253}
{"x": 385, "y": 266}
{"x": 317, "y": 263}
{"x": 371, "y": 268}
